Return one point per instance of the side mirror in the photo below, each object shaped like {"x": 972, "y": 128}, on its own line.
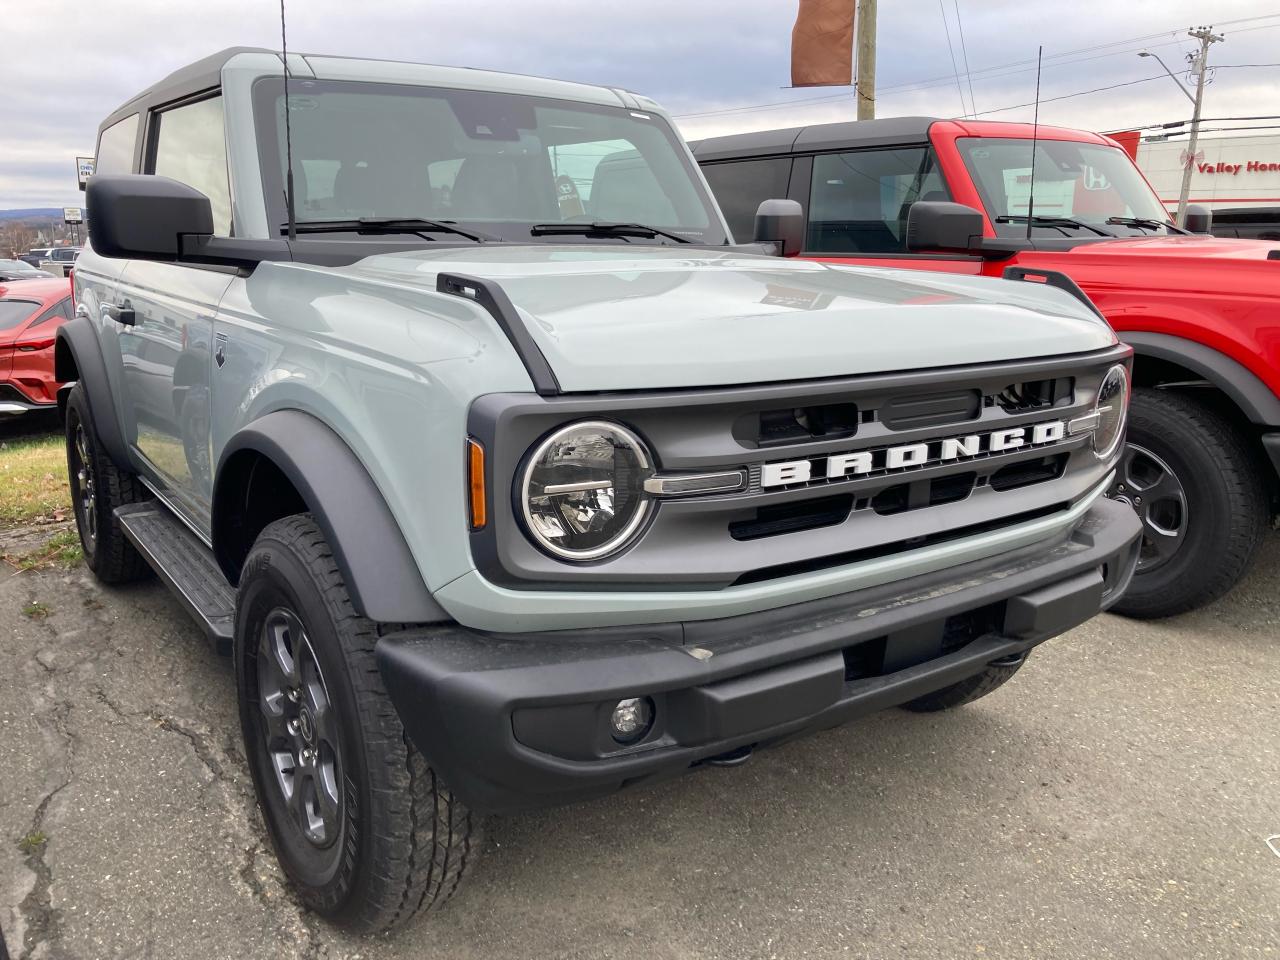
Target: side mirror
{"x": 943, "y": 225}
{"x": 142, "y": 217}
{"x": 1198, "y": 219}
{"x": 781, "y": 222}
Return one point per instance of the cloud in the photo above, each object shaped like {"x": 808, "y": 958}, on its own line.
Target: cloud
{"x": 694, "y": 56}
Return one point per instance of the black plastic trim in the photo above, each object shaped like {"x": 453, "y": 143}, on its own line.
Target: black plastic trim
{"x": 1237, "y": 381}
{"x": 376, "y": 563}
{"x": 77, "y": 344}
{"x": 490, "y": 295}
{"x": 1053, "y": 278}
{"x": 1271, "y": 444}
{"x": 506, "y": 719}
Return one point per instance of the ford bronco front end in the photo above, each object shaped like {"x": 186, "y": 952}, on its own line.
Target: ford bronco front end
{"x": 506, "y": 480}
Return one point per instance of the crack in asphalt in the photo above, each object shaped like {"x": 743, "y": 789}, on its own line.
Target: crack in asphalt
{"x": 40, "y": 919}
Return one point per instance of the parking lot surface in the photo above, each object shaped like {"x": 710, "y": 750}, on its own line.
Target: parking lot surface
{"x": 1113, "y": 800}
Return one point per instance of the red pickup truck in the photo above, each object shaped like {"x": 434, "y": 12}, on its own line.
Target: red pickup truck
{"x": 1202, "y": 466}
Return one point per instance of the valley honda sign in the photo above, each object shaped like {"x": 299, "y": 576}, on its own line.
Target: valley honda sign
{"x": 1226, "y": 172}
{"x": 1253, "y": 166}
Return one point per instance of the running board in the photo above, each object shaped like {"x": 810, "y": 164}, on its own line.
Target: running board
{"x": 185, "y": 565}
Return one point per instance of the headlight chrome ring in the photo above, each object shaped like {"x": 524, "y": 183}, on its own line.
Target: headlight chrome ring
{"x": 584, "y": 484}
{"x": 1112, "y": 410}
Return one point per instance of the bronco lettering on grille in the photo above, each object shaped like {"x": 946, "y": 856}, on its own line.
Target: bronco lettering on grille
{"x": 883, "y": 459}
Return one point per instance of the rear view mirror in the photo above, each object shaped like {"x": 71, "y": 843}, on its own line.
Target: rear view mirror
{"x": 1198, "y": 219}
{"x": 135, "y": 217}
{"x": 781, "y": 222}
{"x": 934, "y": 225}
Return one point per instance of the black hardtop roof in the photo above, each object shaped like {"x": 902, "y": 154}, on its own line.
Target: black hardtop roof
{"x": 203, "y": 74}
{"x": 814, "y": 138}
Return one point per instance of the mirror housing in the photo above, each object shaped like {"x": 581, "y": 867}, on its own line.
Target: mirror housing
{"x": 781, "y": 223}
{"x": 1198, "y": 219}
{"x": 143, "y": 217}
{"x": 934, "y": 225}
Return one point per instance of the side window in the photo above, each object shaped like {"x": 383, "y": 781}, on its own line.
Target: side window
{"x": 741, "y": 185}
{"x": 859, "y": 201}
{"x": 190, "y": 147}
{"x": 115, "y": 146}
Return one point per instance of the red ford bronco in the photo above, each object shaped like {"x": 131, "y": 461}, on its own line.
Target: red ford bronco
{"x": 1202, "y": 313}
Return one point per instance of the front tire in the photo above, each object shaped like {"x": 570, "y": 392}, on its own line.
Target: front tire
{"x": 361, "y": 825}
{"x": 1187, "y": 472}
{"x": 98, "y": 487}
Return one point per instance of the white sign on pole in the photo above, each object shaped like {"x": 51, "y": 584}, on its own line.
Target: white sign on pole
{"x": 72, "y": 215}
{"x": 84, "y": 169}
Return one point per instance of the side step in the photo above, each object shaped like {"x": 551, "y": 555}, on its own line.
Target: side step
{"x": 186, "y": 566}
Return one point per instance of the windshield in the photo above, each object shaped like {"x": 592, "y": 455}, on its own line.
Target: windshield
{"x": 13, "y": 312}
{"x": 1087, "y": 182}
{"x": 497, "y": 162}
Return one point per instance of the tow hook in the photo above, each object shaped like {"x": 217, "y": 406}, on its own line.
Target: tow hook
{"x": 1012, "y": 660}
{"x": 732, "y": 758}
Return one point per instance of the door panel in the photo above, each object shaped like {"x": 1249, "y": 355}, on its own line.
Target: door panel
{"x": 166, "y": 361}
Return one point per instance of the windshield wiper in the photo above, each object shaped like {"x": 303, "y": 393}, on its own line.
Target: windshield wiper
{"x": 603, "y": 229}
{"x": 1057, "y": 222}
{"x": 1147, "y": 222}
{"x": 376, "y": 225}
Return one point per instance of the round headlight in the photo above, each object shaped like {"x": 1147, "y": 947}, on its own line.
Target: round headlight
{"x": 583, "y": 490}
{"x": 1111, "y": 408}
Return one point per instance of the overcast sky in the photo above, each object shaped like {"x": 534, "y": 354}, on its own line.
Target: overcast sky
{"x": 64, "y": 67}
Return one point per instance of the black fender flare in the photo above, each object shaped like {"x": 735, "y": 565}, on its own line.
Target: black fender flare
{"x": 77, "y": 356}
{"x": 372, "y": 555}
{"x": 1251, "y": 395}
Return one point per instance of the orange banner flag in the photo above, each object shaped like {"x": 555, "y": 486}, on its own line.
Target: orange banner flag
{"x": 822, "y": 43}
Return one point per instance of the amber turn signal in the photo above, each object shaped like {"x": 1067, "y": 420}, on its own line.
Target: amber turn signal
{"x": 475, "y": 484}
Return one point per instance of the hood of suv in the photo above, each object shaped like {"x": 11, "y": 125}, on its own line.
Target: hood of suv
{"x": 1183, "y": 248}
{"x": 651, "y": 317}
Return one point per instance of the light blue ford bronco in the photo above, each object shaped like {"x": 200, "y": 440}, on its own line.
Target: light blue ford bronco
{"x": 446, "y": 404}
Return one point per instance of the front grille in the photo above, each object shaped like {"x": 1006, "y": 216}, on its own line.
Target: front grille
{"x": 821, "y": 488}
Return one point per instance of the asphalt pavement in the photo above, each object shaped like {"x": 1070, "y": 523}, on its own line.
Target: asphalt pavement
{"x": 1113, "y": 800}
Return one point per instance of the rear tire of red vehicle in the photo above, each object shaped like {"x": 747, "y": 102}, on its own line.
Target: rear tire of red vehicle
{"x": 98, "y": 486}
{"x": 1188, "y": 473}
{"x": 966, "y": 691}
{"x": 367, "y": 833}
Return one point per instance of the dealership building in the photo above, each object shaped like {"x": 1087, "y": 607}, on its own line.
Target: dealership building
{"x": 1237, "y": 177}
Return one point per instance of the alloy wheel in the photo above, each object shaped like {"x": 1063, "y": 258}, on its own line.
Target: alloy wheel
{"x": 1149, "y": 485}
{"x": 85, "y": 487}
{"x": 299, "y": 727}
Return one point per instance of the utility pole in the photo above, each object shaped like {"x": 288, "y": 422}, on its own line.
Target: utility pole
{"x": 1200, "y": 67}
{"x": 865, "y": 44}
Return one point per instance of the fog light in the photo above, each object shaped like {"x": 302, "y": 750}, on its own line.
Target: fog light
{"x": 631, "y": 719}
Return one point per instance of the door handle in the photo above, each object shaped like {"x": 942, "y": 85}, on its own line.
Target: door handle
{"x": 121, "y": 313}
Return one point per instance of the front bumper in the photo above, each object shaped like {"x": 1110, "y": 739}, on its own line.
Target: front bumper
{"x": 518, "y": 721}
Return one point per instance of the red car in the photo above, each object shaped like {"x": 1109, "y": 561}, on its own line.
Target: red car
{"x": 30, "y": 313}
{"x": 1202, "y": 313}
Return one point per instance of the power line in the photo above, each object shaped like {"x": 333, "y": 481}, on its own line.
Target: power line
{"x": 993, "y": 72}
{"x": 951, "y": 50}
{"x": 964, "y": 49}
{"x": 1068, "y": 96}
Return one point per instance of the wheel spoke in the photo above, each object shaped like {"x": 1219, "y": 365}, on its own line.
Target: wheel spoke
{"x": 273, "y": 716}
{"x": 284, "y": 636}
{"x": 300, "y": 726}
{"x": 1163, "y": 543}
{"x": 1157, "y": 495}
{"x": 326, "y": 787}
